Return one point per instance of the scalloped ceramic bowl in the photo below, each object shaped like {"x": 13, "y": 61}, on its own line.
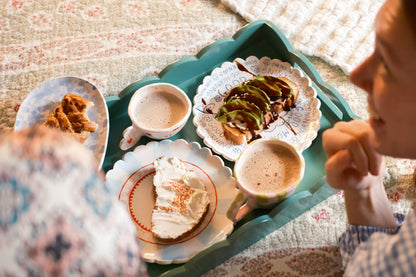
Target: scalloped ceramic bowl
{"x": 304, "y": 119}
{"x": 49, "y": 94}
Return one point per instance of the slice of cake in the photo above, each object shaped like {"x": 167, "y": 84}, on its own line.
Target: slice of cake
{"x": 181, "y": 200}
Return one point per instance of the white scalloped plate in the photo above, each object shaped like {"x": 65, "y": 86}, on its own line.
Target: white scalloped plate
{"x": 133, "y": 178}
{"x": 45, "y": 97}
{"x": 304, "y": 119}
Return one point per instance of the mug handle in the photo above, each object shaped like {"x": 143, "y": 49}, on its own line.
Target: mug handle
{"x": 239, "y": 208}
{"x": 131, "y": 136}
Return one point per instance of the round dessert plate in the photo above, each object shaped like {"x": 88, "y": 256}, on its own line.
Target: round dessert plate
{"x": 45, "y": 97}
{"x": 132, "y": 177}
{"x": 302, "y": 123}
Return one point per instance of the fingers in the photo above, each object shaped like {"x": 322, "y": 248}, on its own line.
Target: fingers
{"x": 335, "y": 168}
{"x": 356, "y": 137}
{"x": 361, "y": 130}
{"x": 336, "y": 140}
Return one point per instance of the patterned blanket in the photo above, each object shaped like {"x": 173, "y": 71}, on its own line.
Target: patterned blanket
{"x": 341, "y": 32}
{"x": 115, "y": 43}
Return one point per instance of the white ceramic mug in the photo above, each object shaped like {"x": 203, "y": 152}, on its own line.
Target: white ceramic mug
{"x": 267, "y": 171}
{"x": 158, "y": 111}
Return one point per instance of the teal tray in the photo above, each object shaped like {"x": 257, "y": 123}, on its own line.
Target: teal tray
{"x": 260, "y": 38}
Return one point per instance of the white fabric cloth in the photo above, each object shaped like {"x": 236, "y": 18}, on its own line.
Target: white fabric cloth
{"x": 341, "y": 32}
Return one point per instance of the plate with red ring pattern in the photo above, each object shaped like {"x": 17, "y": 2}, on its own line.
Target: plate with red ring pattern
{"x": 137, "y": 195}
{"x": 133, "y": 178}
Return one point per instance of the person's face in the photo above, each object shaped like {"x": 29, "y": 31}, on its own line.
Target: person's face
{"x": 389, "y": 78}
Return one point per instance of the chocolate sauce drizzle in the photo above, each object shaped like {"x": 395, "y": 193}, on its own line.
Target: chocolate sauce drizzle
{"x": 275, "y": 117}
{"x": 243, "y": 68}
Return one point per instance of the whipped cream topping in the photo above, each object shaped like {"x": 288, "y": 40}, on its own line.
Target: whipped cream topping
{"x": 181, "y": 199}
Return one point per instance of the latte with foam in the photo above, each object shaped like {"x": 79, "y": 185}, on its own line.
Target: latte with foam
{"x": 266, "y": 168}
{"x": 159, "y": 110}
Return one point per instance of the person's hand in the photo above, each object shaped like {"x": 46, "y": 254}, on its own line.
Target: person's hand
{"x": 354, "y": 166}
{"x": 353, "y": 163}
